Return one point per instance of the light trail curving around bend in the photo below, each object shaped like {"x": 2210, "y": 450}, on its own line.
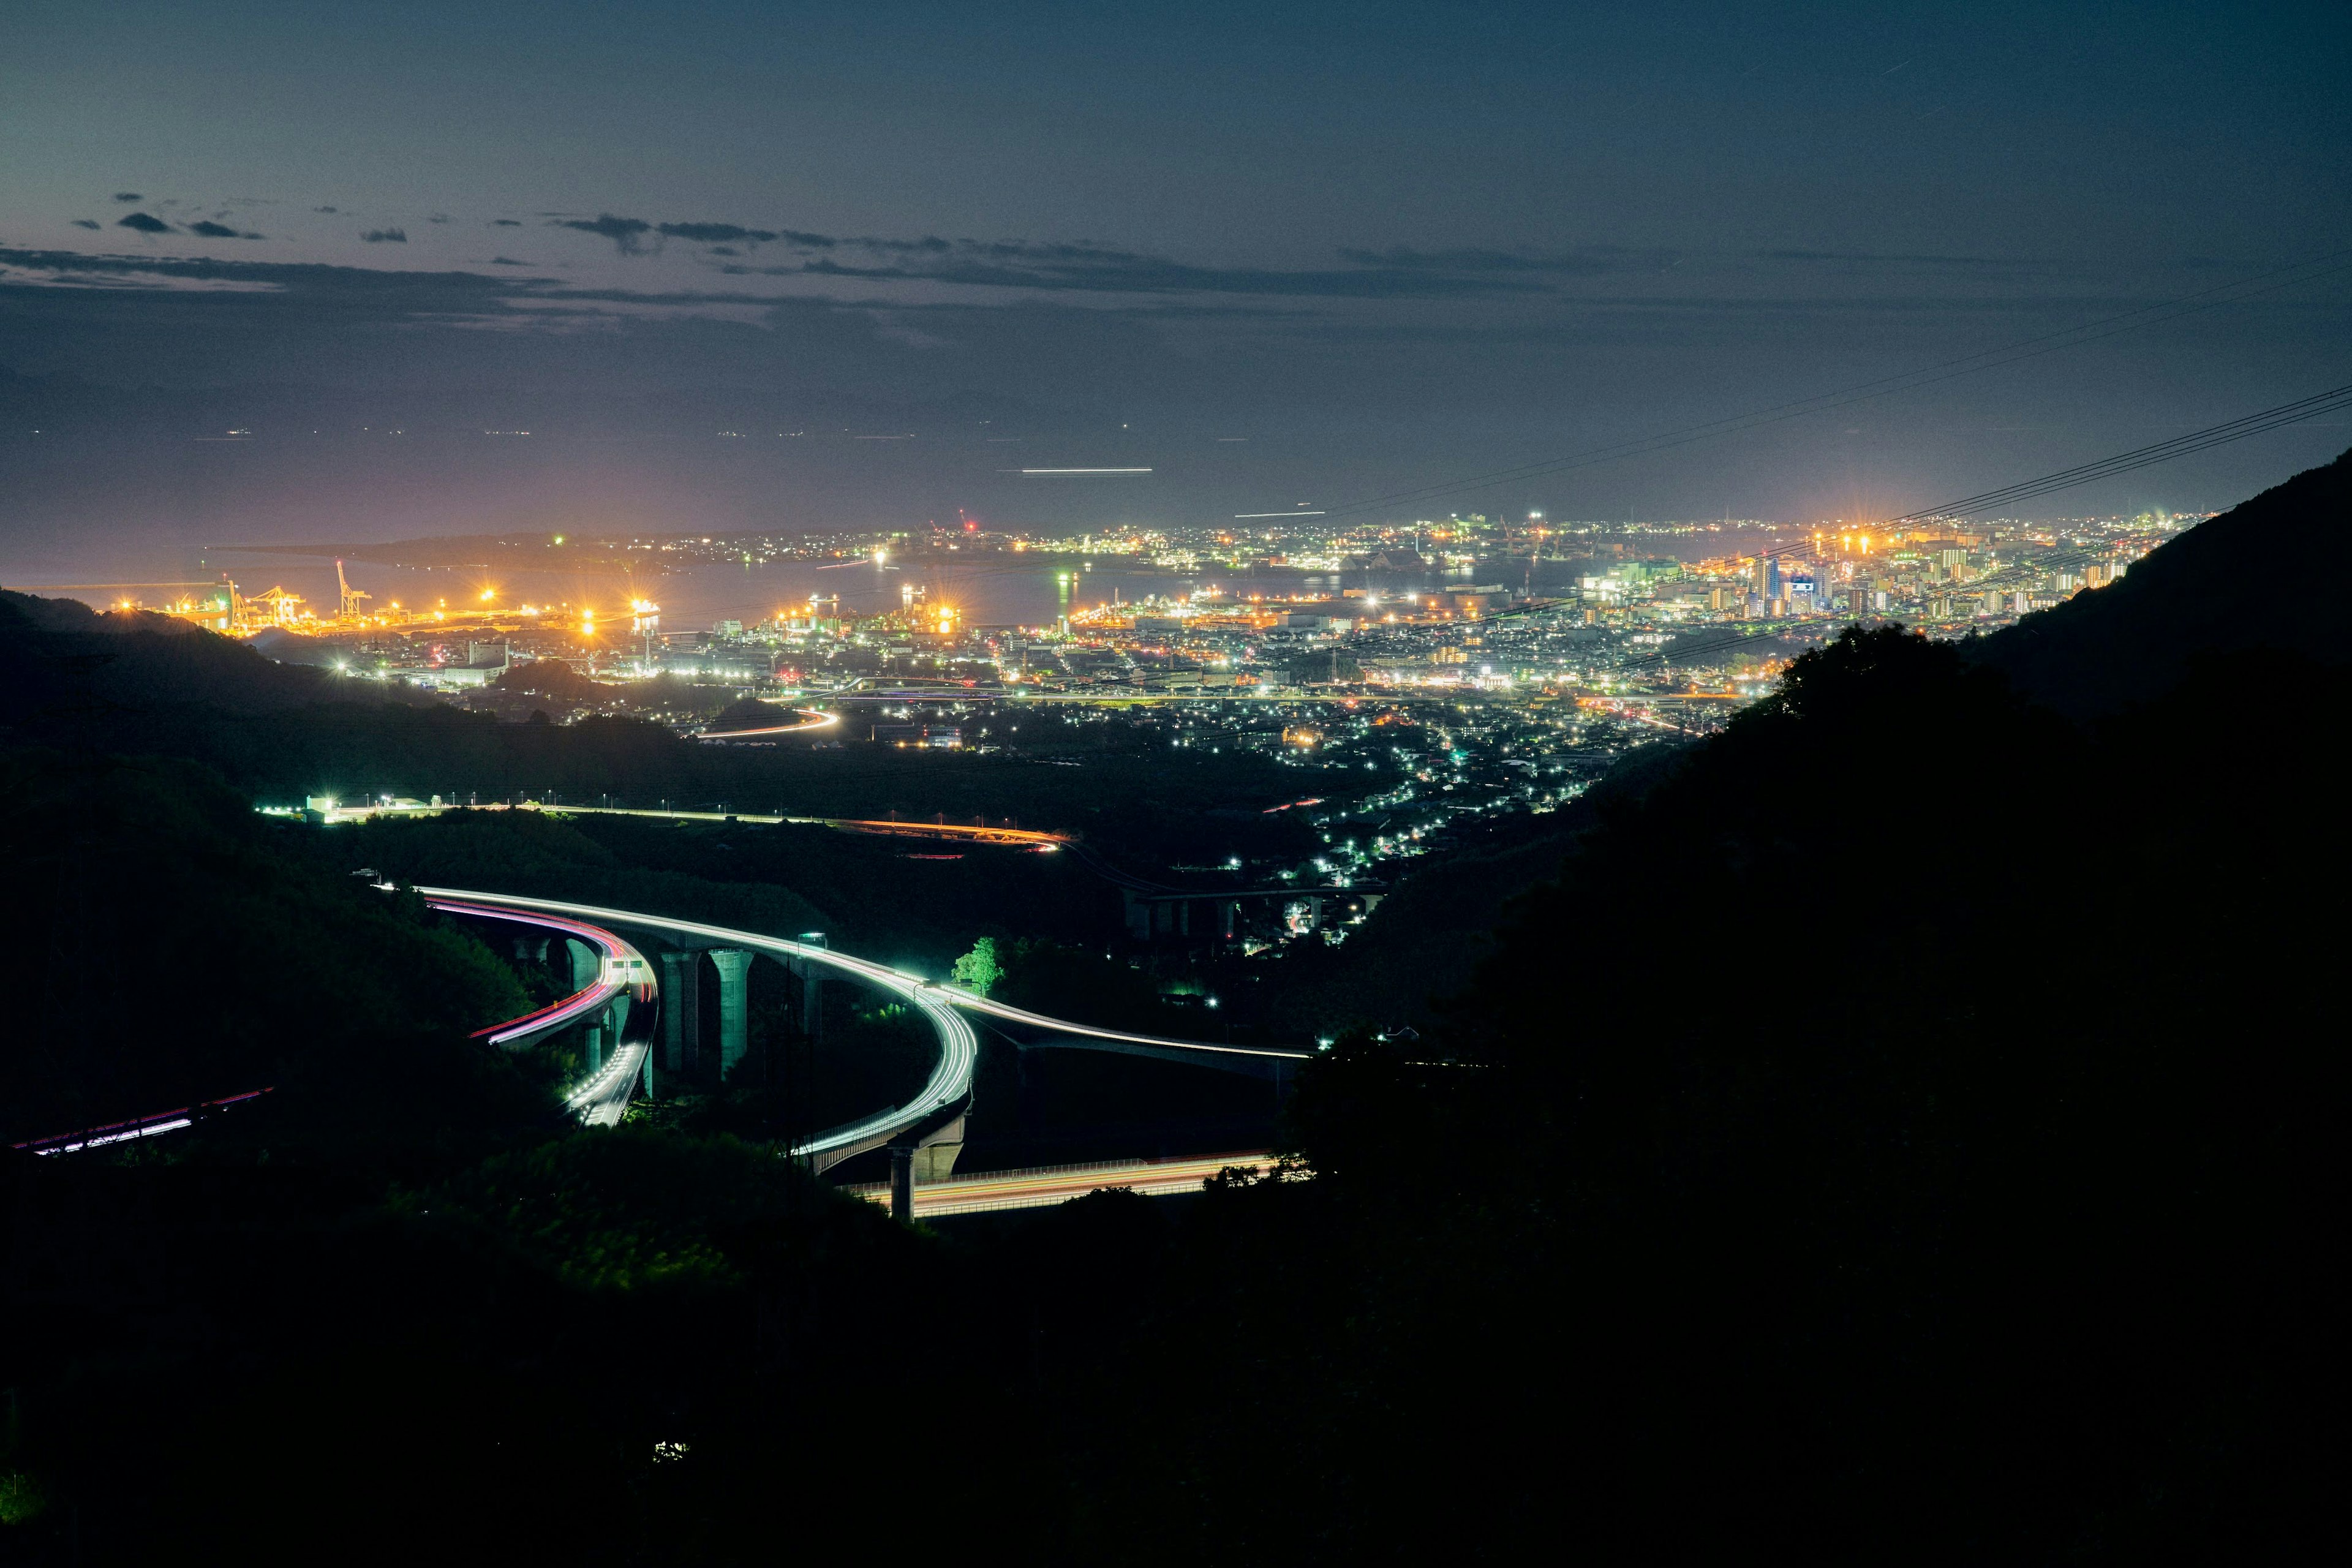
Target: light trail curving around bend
{"x": 811, "y": 719}
{"x": 1063, "y": 1026}
{"x": 950, "y": 1080}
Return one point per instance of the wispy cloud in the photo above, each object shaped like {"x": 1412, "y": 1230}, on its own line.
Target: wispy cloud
{"x": 628, "y": 234}
{"x": 386, "y": 236}
{"x": 1907, "y": 259}
{"x": 717, "y": 233}
{"x": 1584, "y": 261}
{"x": 144, "y": 223}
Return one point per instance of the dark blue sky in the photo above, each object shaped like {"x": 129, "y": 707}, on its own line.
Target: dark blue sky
{"x": 1277, "y": 253}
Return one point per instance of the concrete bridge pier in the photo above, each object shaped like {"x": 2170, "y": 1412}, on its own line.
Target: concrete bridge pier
{"x": 586, "y": 964}
{"x": 734, "y": 1006}
{"x": 902, "y": 1182}
{"x": 936, "y": 1151}
{"x": 530, "y": 950}
{"x": 811, "y": 986}
{"x": 679, "y": 994}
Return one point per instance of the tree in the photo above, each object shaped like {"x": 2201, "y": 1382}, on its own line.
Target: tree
{"x": 978, "y": 969}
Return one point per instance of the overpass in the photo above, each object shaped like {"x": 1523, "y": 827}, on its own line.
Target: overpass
{"x": 926, "y": 1133}
{"x": 609, "y": 974}
{"x": 932, "y": 1120}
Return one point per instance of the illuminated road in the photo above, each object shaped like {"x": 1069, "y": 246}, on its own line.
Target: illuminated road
{"x": 949, "y": 1087}
{"x": 604, "y": 1100}
{"x": 811, "y": 719}
{"x": 622, "y": 971}
{"x": 950, "y": 1082}
{"x": 965, "y": 832}
{"x": 1063, "y": 1030}
{"x": 1045, "y": 1186}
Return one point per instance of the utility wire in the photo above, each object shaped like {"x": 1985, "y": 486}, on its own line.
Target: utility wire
{"x": 2326, "y": 264}
{"x": 2229, "y": 430}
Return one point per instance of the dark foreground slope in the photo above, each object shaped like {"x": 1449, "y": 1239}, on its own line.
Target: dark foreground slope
{"x": 1975, "y": 1217}
{"x": 2260, "y": 577}
{"x": 173, "y": 947}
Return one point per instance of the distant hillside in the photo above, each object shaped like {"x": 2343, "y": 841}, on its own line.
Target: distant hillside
{"x": 2261, "y": 577}
{"x": 55, "y": 651}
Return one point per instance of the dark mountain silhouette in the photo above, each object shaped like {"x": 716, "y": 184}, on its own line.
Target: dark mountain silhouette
{"x": 2240, "y": 583}
{"x": 58, "y": 654}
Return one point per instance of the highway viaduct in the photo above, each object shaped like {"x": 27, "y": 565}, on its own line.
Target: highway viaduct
{"x": 925, "y": 1134}
{"x": 614, "y": 982}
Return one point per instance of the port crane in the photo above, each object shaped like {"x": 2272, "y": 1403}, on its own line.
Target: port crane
{"x": 347, "y": 604}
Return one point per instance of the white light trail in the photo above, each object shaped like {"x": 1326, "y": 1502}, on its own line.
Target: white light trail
{"x": 950, "y": 1079}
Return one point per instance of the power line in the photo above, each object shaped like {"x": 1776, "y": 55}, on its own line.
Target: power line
{"x": 2220, "y": 294}
{"x": 2140, "y": 458}
{"x": 2229, "y": 430}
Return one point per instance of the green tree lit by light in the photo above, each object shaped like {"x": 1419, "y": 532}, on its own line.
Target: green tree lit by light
{"x": 978, "y": 969}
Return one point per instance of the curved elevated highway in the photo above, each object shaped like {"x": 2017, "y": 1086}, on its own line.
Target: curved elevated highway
{"x": 939, "y": 1106}
{"x": 621, "y": 975}
{"x": 940, "y": 1101}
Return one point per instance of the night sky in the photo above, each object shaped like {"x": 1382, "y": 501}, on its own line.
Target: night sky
{"x": 1279, "y": 254}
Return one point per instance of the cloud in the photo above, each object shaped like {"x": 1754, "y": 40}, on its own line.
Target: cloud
{"x": 1879, "y": 258}
{"x": 386, "y": 237}
{"x": 322, "y": 209}
{"x": 717, "y": 233}
{"x": 439, "y": 217}
{"x": 129, "y": 196}
{"x": 85, "y": 223}
{"x": 628, "y": 234}
{"x": 1584, "y": 261}
{"x": 507, "y": 262}
{"x": 1098, "y": 270}
{"x": 212, "y": 230}
{"x": 144, "y": 224}
{"x": 505, "y": 223}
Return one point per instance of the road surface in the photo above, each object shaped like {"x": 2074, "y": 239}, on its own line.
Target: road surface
{"x": 951, "y": 1081}
{"x": 1043, "y": 1186}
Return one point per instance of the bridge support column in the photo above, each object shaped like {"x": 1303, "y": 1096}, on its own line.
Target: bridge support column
{"x": 812, "y": 987}
{"x": 648, "y": 1088}
{"x": 530, "y": 950}
{"x": 595, "y": 1037}
{"x": 902, "y": 1182}
{"x": 935, "y": 1159}
{"x": 585, "y": 964}
{"x": 678, "y": 990}
{"x": 734, "y": 1009}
